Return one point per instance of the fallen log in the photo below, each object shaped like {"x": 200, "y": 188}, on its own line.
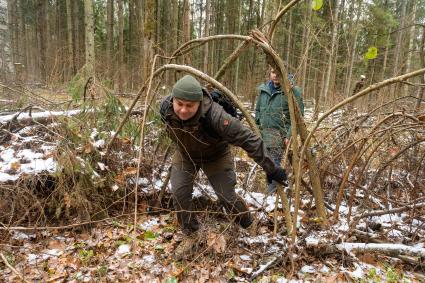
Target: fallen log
{"x": 392, "y": 249}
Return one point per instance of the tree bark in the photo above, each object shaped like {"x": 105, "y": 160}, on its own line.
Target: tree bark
{"x": 411, "y": 43}
{"x": 70, "y": 49}
{"x": 120, "y": 45}
{"x": 353, "y": 49}
{"x": 41, "y": 38}
{"x": 186, "y": 27}
{"x": 89, "y": 28}
{"x": 306, "y": 48}
{"x": 398, "y": 48}
{"x": 5, "y": 56}
{"x": 330, "y": 63}
{"x": 206, "y": 33}
{"x": 109, "y": 39}
{"x": 140, "y": 35}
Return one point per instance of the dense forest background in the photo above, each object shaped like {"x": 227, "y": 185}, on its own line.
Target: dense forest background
{"x": 327, "y": 49}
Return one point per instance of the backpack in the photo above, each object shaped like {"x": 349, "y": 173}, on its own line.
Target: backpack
{"x": 225, "y": 102}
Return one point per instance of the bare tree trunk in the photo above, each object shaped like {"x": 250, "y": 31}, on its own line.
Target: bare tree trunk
{"x": 70, "y": 49}
{"x": 12, "y": 19}
{"x": 88, "y": 16}
{"x": 76, "y": 34}
{"x": 158, "y": 41}
{"x": 200, "y": 22}
{"x": 218, "y": 22}
{"x": 120, "y": 45}
{"x": 140, "y": 35}
{"x": 174, "y": 33}
{"x": 23, "y": 38}
{"x": 131, "y": 59}
{"x": 330, "y": 64}
{"x": 398, "y": 48}
{"x": 186, "y": 26}
{"x": 149, "y": 35}
{"x": 206, "y": 33}
{"x": 318, "y": 97}
{"x": 5, "y": 56}
{"x": 109, "y": 39}
{"x": 41, "y": 38}
{"x": 353, "y": 49}
{"x": 306, "y": 47}
{"x": 236, "y": 79}
{"x": 422, "y": 59}
{"x": 231, "y": 9}
{"x": 288, "y": 58}
{"x": 167, "y": 31}
{"x": 411, "y": 43}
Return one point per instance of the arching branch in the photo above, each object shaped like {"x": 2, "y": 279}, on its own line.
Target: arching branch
{"x": 278, "y": 16}
{"x": 181, "y": 50}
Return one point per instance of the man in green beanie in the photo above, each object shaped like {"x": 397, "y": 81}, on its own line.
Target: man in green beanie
{"x": 202, "y": 131}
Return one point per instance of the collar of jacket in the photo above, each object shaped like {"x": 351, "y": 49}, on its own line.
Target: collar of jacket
{"x": 265, "y": 87}
{"x": 200, "y": 114}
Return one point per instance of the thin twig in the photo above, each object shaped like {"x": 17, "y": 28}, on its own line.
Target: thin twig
{"x": 12, "y": 268}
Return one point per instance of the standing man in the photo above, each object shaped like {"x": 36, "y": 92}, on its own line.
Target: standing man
{"x": 202, "y": 131}
{"x": 359, "y": 84}
{"x": 272, "y": 116}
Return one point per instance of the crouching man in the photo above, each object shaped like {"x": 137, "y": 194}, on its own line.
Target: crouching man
{"x": 202, "y": 131}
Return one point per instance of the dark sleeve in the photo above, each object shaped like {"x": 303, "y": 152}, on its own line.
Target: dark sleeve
{"x": 235, "y": 133}
{"x": 257, "y": 109}
{"x": 164, "y": 106}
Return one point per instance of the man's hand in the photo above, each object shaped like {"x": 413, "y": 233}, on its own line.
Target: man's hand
{"x": 279, "y": 175}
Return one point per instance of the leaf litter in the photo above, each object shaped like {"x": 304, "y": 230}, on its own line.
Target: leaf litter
{"x": 108, "y": 252}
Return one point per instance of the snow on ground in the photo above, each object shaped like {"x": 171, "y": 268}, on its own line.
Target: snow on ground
{"x": 25, "y": 154}
{"x": 28, "y": 151}
{"x": 22, "y": 116}
{"x": 109, "y": 252}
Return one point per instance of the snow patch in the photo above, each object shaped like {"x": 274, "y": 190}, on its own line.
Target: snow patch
{"x": 149, "y": 224}
{"x": 308, "y": 269}
{"x": 123, "y": 249}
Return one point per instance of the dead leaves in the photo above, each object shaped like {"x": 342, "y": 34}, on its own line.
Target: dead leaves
{"x": 15, "y": 166}
{"x": 217, "y": 242}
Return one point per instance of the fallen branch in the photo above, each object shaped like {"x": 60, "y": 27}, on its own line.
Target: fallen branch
{"x": 11, "y": 267}
{"x": 275, "y": 260}
{"x": 393, "y": 249}
{"x": 389, "y": 211}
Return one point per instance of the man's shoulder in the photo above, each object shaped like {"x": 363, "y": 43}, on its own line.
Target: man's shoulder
{"x": 297, "y": 91}
{"x": 263, "y": 87}
{"x": 165, "y": 105}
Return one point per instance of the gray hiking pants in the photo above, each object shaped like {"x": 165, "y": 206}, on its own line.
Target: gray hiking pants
{"x": 222, "y": 177}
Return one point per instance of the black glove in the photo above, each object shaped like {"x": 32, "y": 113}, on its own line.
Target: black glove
{"x": 279, "y": 175}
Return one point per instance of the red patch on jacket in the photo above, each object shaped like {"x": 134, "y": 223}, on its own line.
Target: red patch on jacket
{"x": 226, "y": 122}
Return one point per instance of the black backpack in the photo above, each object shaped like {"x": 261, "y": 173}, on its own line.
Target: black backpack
{"x": 225, "y": 102}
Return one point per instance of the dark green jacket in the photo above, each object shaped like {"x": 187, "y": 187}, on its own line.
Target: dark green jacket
{"x": 272, "y": 114}
{"x": 206, "y": 136}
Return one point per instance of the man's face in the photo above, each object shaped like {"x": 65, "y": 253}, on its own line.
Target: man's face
{"x": 185, "y": 109}
{"x": 274, "y": 77}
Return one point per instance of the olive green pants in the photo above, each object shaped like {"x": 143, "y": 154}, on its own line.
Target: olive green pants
{"x": 222, "y": 177}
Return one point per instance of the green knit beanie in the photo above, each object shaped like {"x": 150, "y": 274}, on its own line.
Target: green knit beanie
{"x": 188, "y": 88}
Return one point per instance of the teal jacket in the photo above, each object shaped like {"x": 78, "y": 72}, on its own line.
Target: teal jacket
{"x": 272, "y": 113}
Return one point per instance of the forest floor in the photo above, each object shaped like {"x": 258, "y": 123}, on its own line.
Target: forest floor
{"x": 60, "y": 244}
